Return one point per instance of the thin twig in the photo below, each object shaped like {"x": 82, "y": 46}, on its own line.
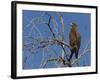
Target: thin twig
{"x": 52, "y": 59}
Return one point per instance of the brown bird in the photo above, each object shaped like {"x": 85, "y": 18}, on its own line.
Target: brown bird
{"x": 74, "y": 40}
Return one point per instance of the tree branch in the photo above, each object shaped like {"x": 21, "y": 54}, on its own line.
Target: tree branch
{"x": 50, "y": 27}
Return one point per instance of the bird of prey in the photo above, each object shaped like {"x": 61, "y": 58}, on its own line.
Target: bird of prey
{"x": 74, "y": 41}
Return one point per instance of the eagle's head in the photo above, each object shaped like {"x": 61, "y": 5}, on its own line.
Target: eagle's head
{"x": 73, "y": 24}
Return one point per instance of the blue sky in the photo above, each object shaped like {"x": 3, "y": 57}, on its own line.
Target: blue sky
{"x": 32, "y": 60}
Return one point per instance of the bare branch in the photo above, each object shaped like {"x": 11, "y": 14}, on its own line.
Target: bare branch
{"x": 64, "y": 43}
{"x": 62, "y": 22}
{"x": 51, "y": 28}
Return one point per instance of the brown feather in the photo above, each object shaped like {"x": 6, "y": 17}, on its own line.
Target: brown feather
{"x": 74, "y": 39}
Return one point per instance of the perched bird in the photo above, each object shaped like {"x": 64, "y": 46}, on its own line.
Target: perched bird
{"x": 74, "y": 41}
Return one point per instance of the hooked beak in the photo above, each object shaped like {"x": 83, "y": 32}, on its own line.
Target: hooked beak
{"x": 71, "y": 24}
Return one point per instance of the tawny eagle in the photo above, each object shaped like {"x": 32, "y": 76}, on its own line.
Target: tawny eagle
{"x": 74, "y": 40}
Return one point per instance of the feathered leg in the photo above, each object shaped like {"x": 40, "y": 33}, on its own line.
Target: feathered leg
{"x": 70, "y": 59}
{"x": 71, "y": 56}
{"x": 76, "y": 56}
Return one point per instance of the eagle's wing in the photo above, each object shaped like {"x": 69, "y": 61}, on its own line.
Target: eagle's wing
{"x": 72, "y": 38}
{"x": 78, "y": 40}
